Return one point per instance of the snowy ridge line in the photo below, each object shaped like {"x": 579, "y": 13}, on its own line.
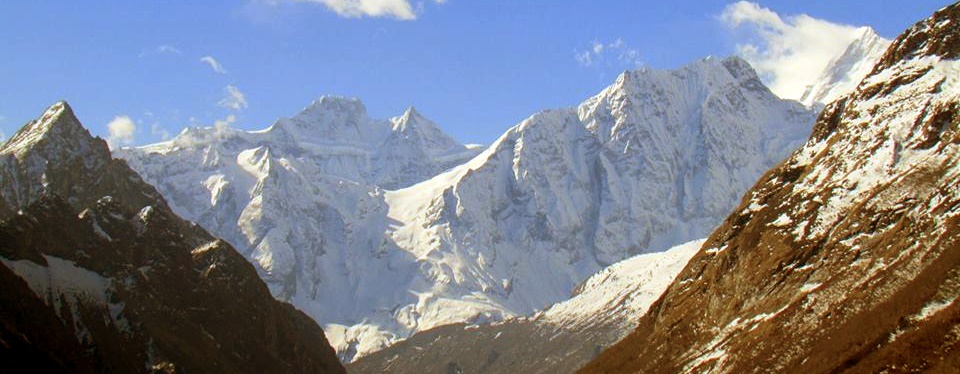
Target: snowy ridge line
{"x": 380, "y": 244}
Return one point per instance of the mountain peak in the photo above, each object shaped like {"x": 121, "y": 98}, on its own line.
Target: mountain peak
{"x": 410, "y": 118}
{"x": 414, "y": 125}
{"x": 55, "y": 155}
{"x": 57, "y": 122}
{"x": 739, "y": 68}
{"x": 867, "y": 33}
{"x": 842, "y": 74}
{"x": 709, "y": 72}
{"x": 411, "y": 110}
{"x": 334, "y": 119}
{"x": 335, "y": 104}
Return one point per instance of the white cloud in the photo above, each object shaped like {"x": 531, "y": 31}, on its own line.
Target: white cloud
{"x": 222, "y": 125}
{"x": 159, "y": 131}
{"x": 789, "y": 52}
{"x": 121, "y": 130}
{"x": 168, "y": 49}
{"x": 214, "y": 64}
{"x": 613, "y": 53}
{"x": 584, "y": 58}
{"x": 399, "y": 9}
{"x": 235, "y": 99}
{"x": 597, "y": 47}
{"x": 159, "y": 50}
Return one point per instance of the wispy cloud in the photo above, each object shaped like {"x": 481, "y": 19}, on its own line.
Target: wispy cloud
{"x": 791, "y": 51}
{"x": 159, "y": 131}
{"x": 161, "y": 50}
{"x": 399, "y": 9}
{"x": 214, "y": 64}
{"x": 168, "y": 49}
{"x": 612, "y": 53}
{"x": 121, "y": 131}
{"x": 156, "y": 129}
{"x": 221, "y": 125}
{"x": 234, "y": 99}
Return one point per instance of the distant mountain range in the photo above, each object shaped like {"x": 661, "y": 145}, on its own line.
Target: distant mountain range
{"x": 382, "y": 228}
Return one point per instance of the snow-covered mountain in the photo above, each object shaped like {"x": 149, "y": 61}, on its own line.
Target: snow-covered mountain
{"x": 561, "y": 338}
{"x": 844, "y": 258}
{"x": 303, "y": 200}
{"x": 326, "y": 206}
{"x": 844, "y": 73}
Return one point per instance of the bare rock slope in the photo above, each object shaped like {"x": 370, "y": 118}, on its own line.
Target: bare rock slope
{"x": 846, "y": 257}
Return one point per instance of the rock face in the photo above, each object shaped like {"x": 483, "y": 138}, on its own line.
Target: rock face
{"x": 100, "y": 276}
{"x": 846, "y": 257}
{"x": 561, "y": 338}
{"x": 54, "y": 154}
{"x": 324, "y": 207}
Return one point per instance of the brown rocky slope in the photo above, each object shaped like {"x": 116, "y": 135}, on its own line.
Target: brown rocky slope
{"x": 98, "y": 275}
{"x": 846, "y": 257}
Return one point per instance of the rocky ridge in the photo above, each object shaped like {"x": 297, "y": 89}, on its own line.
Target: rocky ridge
{"x": 843, "y": 258}
{"x": 100, "y": 276}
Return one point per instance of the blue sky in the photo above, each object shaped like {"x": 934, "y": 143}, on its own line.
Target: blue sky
{"x": 474, "y": 66}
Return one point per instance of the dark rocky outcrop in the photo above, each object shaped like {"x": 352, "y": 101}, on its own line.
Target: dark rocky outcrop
{"x": 98, "y": 275}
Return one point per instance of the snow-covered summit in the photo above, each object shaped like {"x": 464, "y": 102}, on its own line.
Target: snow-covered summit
{"x": 339, "y": 138}
{"x": 334, "y": 120}
{"x": 414, "y": 127}
{"x": 656, "y": 159}
{"x": 844, "y": 73}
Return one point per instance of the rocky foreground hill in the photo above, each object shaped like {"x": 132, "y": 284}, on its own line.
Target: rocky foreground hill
{"x": 846, "y": 257}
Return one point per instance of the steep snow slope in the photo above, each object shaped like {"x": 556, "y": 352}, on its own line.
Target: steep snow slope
{"x": 846, "y": 257}
{"x": 303, "y": 200}
{"x": 655, "y": 160}
{"x": 844, "y": 73}
{"x": 652, "y": 161}
{"x": 622, "y": 291}
{"x": 559, "y": 339}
